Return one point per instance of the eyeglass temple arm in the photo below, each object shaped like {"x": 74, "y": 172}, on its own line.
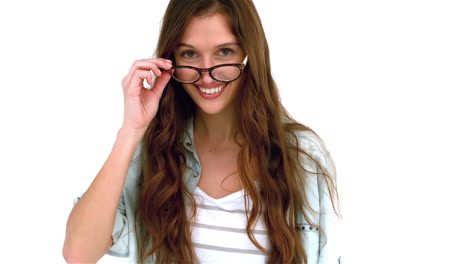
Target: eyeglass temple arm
{"x": 245, "y": 60}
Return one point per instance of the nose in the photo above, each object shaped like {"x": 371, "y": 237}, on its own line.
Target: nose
{"x": 205, "y": 77}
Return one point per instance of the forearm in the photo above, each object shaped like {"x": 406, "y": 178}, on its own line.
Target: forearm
{"x": 91, "y": 221}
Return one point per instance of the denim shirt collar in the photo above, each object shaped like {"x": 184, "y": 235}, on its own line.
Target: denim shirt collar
{"x": 193, "y": 170}
{"x": 187, "y": 138}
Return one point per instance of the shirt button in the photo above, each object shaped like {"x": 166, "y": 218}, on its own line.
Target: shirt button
{"x": 195, "y": 174}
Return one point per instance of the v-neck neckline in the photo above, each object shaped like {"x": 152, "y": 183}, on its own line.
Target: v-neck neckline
{"x": 228, "y": 197}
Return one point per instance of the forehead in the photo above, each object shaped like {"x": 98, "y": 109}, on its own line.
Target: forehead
{"x": 208, "y": 31}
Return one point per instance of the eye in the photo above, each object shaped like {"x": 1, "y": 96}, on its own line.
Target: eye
{"x": 225, "y": 52}
{"x": 189, "y": 54}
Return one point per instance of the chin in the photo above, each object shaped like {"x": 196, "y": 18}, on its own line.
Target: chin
{"x": 211, "y": 109}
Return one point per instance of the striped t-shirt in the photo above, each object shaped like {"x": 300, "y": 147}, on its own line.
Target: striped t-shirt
{"x": 219, "y": 230}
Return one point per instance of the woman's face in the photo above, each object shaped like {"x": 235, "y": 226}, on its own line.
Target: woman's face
{"x": 208, "y": 41}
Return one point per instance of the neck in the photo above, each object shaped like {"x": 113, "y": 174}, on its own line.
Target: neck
{"x": 215, "y": 129}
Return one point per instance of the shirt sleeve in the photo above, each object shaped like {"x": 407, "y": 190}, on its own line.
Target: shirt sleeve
{"x": 118, "y": 248}
{"x": 329, "y": 249}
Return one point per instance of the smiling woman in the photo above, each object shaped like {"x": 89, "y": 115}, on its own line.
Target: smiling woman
{"x": 208, "y": 167}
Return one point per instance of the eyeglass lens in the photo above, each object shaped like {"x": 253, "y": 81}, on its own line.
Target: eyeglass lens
{"x": 223, "y": 73}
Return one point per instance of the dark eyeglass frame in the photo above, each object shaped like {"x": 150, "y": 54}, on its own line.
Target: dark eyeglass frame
{"x": 200, "y": 71}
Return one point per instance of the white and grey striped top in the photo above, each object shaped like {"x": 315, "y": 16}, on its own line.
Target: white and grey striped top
{"x": 219, "y": 230}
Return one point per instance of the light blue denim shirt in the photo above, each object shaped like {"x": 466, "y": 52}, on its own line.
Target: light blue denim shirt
{"x": 321, "y": 247}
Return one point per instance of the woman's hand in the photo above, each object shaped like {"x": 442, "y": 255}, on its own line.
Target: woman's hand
{"x": 141, "y": 104}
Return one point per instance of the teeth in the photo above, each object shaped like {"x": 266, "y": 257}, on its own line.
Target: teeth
{"x": 212, "y": 90}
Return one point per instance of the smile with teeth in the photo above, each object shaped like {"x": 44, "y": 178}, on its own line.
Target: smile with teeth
{"x": 212, "y": 90}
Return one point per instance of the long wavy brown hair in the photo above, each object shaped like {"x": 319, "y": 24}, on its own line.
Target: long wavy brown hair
{"x": 270, "y": 149}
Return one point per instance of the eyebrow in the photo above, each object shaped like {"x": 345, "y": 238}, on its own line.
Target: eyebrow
{"x": 218, "y": 46}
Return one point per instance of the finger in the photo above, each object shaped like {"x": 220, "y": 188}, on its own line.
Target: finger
{"x": 155, "y": 72}
{"x": 150, "y": 64}
{"x": 136, "y": 81}
{"x": 153, "y": 69}
{"x": 161, "y": 83}
{"x": 158, "y": 72}
{"x": 164, "y": 60}
{"x": 165, "y": 66}
{"x": 150, "y": 79}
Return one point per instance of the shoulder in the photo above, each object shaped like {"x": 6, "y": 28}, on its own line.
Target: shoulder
{"x": 316, "y": 166}
{"x": 312, "y": 151}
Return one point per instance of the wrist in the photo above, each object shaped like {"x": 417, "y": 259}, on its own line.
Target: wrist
{"x": 130, "y": 133}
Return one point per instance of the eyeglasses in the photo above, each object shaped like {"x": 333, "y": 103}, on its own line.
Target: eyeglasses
{"x": 223, "y": 73}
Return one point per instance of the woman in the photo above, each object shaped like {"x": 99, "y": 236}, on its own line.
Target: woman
{"x": 207, "y": 167}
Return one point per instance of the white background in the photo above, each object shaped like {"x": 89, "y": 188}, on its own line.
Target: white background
{"x": 382, "y": 82}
